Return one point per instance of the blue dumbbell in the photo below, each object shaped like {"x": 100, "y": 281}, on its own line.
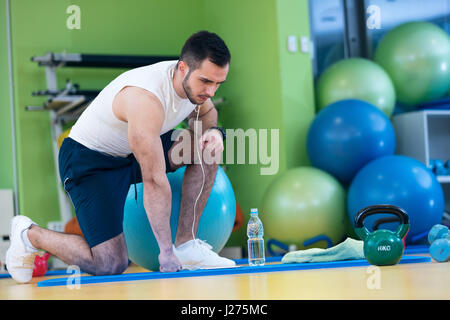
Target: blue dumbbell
{"x": 439, "y": 238}
{"x": 440, "y": 250}
{"x": 447, "y": 167}
{"x": 438, "y": 231}
{"x": 439, "y": 168}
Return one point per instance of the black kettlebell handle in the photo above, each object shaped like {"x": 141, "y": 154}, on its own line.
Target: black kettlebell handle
{"x": 380, "y": 208}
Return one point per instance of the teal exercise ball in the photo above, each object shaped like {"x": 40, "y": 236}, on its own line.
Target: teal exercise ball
{"x": 303, "y": 204}
{"x": 356, "y": 78}
{"x": 215, "y": 226}
{"x": 416, "y": 55}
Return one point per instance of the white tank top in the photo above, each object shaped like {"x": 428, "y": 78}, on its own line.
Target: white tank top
{"x": 98, "y": 128}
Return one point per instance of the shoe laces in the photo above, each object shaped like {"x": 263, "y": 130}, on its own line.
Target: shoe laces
{"x": 204, "y": 247}
{"x": 28, "y": 261}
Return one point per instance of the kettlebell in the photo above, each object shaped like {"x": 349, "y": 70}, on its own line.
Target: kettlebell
{"x": 382, "y": 247}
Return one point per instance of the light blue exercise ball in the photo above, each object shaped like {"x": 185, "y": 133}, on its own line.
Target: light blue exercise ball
{"x": 215, "y": 226}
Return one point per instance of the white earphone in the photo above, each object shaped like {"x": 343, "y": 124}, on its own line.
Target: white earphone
{"x": 197, "y": 109}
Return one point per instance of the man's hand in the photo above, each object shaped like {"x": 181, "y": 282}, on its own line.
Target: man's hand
{"x": 168, "y": 262}
{"x": 212, "y": 142}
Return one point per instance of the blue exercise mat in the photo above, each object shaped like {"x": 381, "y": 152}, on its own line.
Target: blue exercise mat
{"x": 417, "y": 248}
{"x": 215, "y": 272}
{"x": 64, "y": 272}
{"x": 48, "y": 273}
{"x": 411, "y": 249}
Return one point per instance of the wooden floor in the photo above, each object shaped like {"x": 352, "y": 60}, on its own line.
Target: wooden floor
{"x": 406, "y": 281}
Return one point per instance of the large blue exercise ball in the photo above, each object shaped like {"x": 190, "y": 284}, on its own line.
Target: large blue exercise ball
{"x": 215, "y": 226}
{"x": 401, "y": 181}
{"x": 347, "y": 135}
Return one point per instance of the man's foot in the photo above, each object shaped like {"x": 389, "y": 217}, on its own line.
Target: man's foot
{"x": 197, "y": 254}
{"x": 20, "y": 255}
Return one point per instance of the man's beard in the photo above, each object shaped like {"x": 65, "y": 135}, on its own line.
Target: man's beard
{"x": 188, "y": 90}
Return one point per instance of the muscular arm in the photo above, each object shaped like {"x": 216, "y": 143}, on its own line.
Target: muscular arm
{"x": 145, "y": 116}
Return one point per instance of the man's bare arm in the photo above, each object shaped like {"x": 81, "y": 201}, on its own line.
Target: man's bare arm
{"x": 145, "y": 116}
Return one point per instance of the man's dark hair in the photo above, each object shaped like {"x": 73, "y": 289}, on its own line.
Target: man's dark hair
{"x": 202, "y": 45}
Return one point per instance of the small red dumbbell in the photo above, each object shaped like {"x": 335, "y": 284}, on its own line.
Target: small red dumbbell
{"x": 40, "y": 264}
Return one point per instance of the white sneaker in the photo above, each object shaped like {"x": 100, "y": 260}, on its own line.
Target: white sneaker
{"x": 20, "y": 257}
{"x": 197, "y": 254}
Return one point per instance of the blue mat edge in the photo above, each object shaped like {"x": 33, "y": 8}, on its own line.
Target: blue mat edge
{"x": 212, "y": 272}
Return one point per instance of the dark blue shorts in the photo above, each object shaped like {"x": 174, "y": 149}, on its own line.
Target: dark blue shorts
{"x": 98, "y": 185}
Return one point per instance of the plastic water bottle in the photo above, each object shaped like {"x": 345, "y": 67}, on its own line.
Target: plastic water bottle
{"x": 255, "y": 241}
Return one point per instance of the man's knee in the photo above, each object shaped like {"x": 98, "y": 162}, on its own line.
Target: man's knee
{"x": 114, "y": 266}
{"x": 110, "y": 257}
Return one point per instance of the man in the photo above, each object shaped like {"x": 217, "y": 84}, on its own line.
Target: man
{"x": 125, "y": 137}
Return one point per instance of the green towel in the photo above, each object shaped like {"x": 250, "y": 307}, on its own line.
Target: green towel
{"x": 349, "y": 249}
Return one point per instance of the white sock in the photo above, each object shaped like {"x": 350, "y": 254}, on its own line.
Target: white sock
{"x": 26, "y": 240}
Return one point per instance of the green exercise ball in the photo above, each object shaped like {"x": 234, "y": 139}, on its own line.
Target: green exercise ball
{"x": 303, "y": 204}
{"x": 416, "y": 55}
{"x": 356, "y": 78}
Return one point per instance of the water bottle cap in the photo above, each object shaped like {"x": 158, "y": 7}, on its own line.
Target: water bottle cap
{"x": 254, "y": 211}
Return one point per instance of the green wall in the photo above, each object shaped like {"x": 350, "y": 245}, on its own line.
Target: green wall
{"x": 253, "y": 88}
{"x": 267, "y": 88}
{"x": 6, "y": 156}
{"x": 297, "y": 83}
